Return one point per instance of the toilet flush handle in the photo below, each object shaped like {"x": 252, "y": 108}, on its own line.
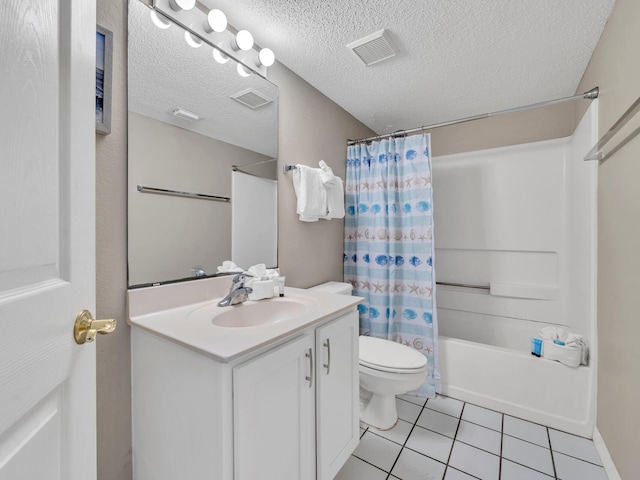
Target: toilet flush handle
{"x": 328, "y": 364}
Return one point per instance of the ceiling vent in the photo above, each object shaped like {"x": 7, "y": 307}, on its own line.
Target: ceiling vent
{"x": 251, "y": 98}
{"x": 373, "y": 48}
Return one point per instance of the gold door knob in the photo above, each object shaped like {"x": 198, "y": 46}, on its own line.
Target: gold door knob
{"x": 86, "y": 328}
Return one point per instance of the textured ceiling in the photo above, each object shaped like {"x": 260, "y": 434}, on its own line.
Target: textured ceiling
{"x": 456, "y": 57}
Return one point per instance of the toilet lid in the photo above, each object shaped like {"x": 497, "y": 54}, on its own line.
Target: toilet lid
{"x": 386, "y": 355}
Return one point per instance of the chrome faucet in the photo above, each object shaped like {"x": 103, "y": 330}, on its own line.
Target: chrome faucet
{"x": 198, "y": 271}
{"x": 238, "y": 293}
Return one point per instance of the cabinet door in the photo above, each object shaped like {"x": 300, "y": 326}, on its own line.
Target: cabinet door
{"x": 337, "y": 394}
{"x": 274, "y": 414}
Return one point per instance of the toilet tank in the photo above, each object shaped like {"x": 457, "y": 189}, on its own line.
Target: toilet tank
{"x": 334, "y": 287}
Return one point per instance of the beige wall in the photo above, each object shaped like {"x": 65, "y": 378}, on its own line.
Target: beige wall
{"x": 113, "y": 358}
{"x": 553, "y": 121}
{"x": 311, "y": 129}
{"x": 615, "y": 68}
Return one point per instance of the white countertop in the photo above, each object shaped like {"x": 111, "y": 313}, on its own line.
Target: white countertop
{"x": 187, "y": 318}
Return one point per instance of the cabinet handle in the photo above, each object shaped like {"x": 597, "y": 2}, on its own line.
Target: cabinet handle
{"x": 310, "y": 377}
{"x": 328, "y": 364}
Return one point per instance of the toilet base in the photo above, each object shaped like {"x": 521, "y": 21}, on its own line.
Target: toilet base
{"x": 380, "y": 412}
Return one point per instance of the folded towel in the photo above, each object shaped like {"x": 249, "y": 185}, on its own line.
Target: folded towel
{"x": 311, "y": 193}
{"x": 228, "y": 266}
{"x": 335, "y": 192}
{"x": 566, "y": 347}
{"x": 570, "y": 355}
{"x": 260, "y": 271}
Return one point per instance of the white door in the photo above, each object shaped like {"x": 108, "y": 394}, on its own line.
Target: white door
{"x": 274, "y": 414}
{"x": 47, "y": 239}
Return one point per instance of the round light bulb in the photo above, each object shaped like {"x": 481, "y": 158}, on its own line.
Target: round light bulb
{"x": 244, "y": 40}
{"x": 220, "y": 57}
{"x": 159, "y": 21}
{"x": 266, "y": 57}
{"x": 243, "y": 71}
{"x": 216, "y": 21}
{"x": 192, "y": 40}
{"x": 178, "y": 5}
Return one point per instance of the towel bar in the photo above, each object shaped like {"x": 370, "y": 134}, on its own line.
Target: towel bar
{"x": 177, "y": 193}
{"x": 599, "y": 152}
{"x": 286, "y": 168}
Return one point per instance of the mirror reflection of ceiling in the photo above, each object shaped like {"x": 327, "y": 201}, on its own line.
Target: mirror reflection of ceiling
{"x": 166, "y": 73}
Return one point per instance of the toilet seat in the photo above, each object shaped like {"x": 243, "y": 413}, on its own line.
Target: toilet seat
{"x": 388, "y": 356}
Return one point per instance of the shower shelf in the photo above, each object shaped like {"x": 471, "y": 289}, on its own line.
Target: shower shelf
{"x": 605, "y": 148}
{"x": 511, "y": 290}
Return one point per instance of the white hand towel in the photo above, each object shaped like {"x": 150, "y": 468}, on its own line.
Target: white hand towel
{"x": 261, "y": 271}
{"x": 257, "y": 270}
{"x": 312, "y": 197}
{"x": 228, "y": 266}
{"x": 335, "y": 192}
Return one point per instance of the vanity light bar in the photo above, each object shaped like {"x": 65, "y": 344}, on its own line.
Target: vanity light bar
{"x": 207, "y": 25}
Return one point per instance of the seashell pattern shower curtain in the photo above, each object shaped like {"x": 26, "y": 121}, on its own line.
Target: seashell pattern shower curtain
{"x": 388, "y": 244}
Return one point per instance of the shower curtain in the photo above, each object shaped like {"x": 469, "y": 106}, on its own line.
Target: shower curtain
{"x": 388, "y": 244}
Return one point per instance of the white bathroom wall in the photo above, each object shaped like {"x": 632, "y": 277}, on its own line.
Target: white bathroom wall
{"x": 521, "y": 221}
{"x": 254, "y": 220}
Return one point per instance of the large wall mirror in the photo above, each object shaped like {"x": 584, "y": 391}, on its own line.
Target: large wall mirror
{"x": 232, "y": 214}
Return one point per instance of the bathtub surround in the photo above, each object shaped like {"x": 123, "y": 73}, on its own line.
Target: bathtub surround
{"x": 521, "y": 220}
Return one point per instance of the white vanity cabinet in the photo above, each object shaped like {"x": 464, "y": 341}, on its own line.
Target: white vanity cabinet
{"x": 337, "y": 394}
{"x": 296, "y": 407}
{"x": 274, "y": 414}
{"x": 287, "y": 412}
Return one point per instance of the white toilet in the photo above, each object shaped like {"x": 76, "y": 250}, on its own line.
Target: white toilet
{"x": 387, "y": 369}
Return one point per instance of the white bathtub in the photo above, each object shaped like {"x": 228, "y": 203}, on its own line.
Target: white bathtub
{"x": 519, "y": 384}
{"x": 520, "y": 221}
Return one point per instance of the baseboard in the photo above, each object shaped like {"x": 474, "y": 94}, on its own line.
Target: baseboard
{"x": 605, "y": 456}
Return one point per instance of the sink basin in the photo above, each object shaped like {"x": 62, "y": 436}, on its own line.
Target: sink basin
{"x": 262, "y": 312}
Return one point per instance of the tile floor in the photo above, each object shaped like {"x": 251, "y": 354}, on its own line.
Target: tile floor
{"x": 446, "y": 439}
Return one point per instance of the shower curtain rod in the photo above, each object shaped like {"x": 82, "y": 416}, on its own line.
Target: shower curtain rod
{"x": 237, "y": 168}
{"x": 590, "y": 95}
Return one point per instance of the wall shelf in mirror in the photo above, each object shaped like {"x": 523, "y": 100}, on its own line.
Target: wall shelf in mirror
{"x": 622, "y": 132}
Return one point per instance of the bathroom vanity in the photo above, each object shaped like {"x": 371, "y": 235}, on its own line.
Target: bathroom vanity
{"x": 273, "y": 397}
